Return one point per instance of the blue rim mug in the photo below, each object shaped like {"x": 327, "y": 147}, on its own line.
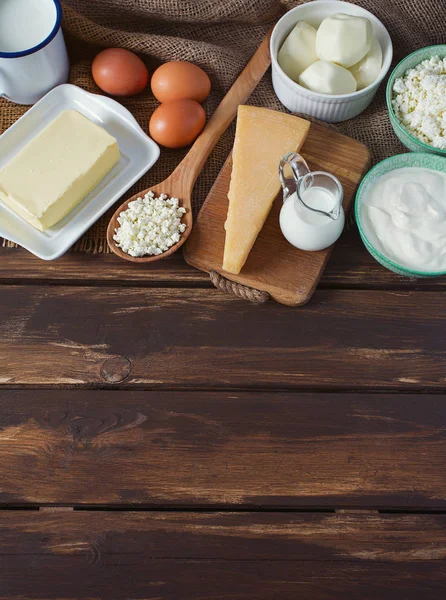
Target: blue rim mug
{"x": 33, "y": 55}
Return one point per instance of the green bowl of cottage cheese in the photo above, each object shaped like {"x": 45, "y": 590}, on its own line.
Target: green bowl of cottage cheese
{"x": 400, "y": 210}
{"x": 416, "y": 100}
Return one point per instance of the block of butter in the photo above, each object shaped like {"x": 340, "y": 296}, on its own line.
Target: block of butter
{"x": 57, "y": 169}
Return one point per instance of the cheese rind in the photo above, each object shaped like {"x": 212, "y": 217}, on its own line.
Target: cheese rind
{"x": 262, "y": 138}
{"x": 57, "y": 169}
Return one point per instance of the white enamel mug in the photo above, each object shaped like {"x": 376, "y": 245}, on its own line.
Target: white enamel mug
{"x": 33, "y": 56}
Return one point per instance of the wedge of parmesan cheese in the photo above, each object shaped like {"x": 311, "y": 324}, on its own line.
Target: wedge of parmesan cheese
{"x": 262, "y": 138}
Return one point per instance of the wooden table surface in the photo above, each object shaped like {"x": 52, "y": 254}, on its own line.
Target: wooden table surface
{"x": 161, "y": 440}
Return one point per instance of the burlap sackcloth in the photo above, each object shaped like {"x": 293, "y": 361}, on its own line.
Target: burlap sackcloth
{"x": 220, "y": 36}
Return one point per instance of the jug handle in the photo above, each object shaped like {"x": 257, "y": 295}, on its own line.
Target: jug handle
{"x": 301, "y": 173}
{"x": 299, "y": 169}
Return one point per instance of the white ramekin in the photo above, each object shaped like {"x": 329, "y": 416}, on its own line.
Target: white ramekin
{"x": 296, "y": 98}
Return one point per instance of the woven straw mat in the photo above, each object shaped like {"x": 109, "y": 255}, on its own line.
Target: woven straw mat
{"x": 220, "y": 37}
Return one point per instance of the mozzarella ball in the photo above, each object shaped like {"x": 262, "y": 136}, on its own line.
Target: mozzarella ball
{"x": 298, "y": 51}
{"x": 325, "y": 77}
{"x": 366, "y": 71}
{"x": 344, "y": 39}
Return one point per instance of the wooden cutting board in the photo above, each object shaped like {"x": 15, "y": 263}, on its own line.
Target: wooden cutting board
{"x": 289, "y": 275}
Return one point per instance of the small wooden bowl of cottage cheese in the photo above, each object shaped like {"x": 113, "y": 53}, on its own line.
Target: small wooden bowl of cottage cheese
{"x": 416, "y": 100}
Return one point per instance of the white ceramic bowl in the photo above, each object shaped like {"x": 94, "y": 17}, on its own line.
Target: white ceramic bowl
{"x": 296, "y": 98}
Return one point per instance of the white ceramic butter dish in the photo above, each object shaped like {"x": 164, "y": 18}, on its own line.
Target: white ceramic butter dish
{"x": 138, "y": 154}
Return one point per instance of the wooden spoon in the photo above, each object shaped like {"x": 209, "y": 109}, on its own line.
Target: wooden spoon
{"x": 181, "y": 182}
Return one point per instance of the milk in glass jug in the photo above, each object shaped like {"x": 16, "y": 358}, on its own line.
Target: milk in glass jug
{"x": 312, "y": 217}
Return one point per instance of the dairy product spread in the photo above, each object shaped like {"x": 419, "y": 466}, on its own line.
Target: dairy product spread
{"x": 262, "y": 137}
{"x": 340, "y": 57}
{"x": 57, "y": 169}
{"x": 404, "y": 217}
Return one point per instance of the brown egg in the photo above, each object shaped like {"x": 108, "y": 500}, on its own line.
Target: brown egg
{"x": 176, "y": 124}
{"x": 179, "y": 79}
{"x": 119, "y": 72}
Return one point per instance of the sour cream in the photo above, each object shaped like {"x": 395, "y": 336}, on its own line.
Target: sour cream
{"x": 403, "y": 215}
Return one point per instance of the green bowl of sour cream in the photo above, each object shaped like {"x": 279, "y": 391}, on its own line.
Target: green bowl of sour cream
{"x": 410, "y": 62}
{"x": 400, "y": 210}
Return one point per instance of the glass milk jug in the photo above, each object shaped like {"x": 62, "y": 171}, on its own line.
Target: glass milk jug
{"x": 312, "y": 217}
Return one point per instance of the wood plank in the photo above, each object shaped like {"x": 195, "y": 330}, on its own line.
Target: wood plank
{"x": 191, "y": 556}
{"x": 151, "y": 337}
{"x": 349, "y": 266}
{"x": 18, "y": 265}
{"x": 208, "y": 449}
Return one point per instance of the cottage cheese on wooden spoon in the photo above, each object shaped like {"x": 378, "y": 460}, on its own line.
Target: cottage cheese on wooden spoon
{"x": 150, "y": 225}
